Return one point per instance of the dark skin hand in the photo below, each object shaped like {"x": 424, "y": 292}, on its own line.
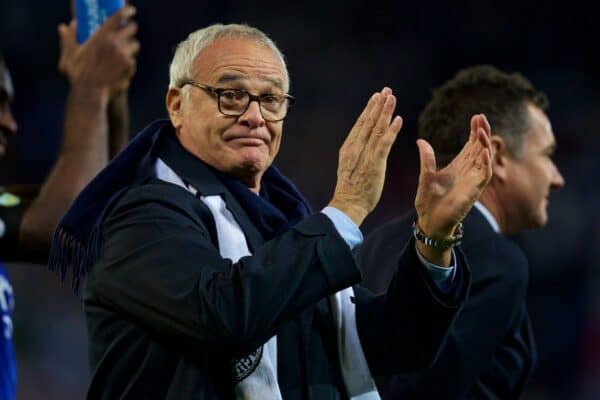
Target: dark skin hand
{"x": 99, "y": 72}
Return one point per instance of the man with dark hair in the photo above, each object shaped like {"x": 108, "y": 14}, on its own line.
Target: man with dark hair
{"x": 207, "y": 274}
{"x": 95, "y": 126}
{"x": 490, "y": 352}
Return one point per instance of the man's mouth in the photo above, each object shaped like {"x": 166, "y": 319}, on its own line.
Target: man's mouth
{"x": 246, "y": 139}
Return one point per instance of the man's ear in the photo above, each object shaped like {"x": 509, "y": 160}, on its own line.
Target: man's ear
{"x": 173, "y": 101}
{"x": 500, "y": 158}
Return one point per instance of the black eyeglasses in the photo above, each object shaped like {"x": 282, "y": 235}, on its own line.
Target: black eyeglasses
{"x": 235, "y": 102}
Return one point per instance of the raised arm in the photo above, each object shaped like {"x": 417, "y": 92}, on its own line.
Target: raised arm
{"x": 118, "y": 121}
{"x": 445, "y": 196}
{"x": 403, "y": 329}
{"x": 98, "y": 70}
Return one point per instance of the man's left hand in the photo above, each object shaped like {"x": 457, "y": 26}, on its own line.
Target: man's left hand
{"x": 445, "y": 196}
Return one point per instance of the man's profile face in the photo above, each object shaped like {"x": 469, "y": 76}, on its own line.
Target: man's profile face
{"x": 243, "y": 146}
{"x": 8, "y": 126}
{"x": 533, "y": 175}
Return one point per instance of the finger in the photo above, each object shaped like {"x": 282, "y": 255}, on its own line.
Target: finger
{"x": 383, "y": 122}
{"x": 373, "y": 118}
{"x": 129, "y": 30}
{"x": 486, "y": 161}
{"x": 475, "y": 123}
{"x": 485, "y": 157}
{"x": 386, "y": 91}
{"x": 68, "y": 45}
{"x": 380, "y": 129}
{"x": 115, "y": 21}
{"x": 62, "y": 30}
{"x": 426, "y": 156}
{"x": 486, "y": 125}
{"x": 471, "y": 149}
{"x": 67, "y": 34}
{"x": 466, "y": 156}
{"x": 351, "y": 138}
{"x": 484, "y": 138}
{"x": 479, "y": 154}
{"x": 132, "y": 48}
{"x": 387, "y": 140}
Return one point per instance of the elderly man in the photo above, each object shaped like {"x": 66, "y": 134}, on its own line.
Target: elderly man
{"x": 490, "y": 351}
{"x": 209, "y": 277}
{"x": 99, "y": 72}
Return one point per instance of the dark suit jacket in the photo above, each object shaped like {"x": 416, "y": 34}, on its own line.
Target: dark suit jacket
{"x": 490, "y": 351}
{"x": 166, "y": 313}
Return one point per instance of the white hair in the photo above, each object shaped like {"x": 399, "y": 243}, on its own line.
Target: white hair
{"x": 187, "y": 51}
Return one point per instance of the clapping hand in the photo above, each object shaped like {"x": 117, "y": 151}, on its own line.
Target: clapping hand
{"x": 445, "y": 196}
{"x": 363, "y": 157}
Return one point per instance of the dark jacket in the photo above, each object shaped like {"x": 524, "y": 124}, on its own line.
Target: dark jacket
{"x": 490, "y": 351}
{"x": 166, "y": 313}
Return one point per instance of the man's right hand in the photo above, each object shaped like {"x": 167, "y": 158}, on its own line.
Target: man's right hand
{"x": 363, "y": 157}
{"x": 106, "y": 61}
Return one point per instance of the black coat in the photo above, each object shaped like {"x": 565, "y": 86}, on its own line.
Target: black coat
{"x": 166, "y": 313}
{"x": 490, "y": 351}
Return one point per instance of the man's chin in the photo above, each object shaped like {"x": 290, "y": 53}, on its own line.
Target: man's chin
{"x": 540, "y": 220}
{"x": 249, "y": 167}
{"x": 253, "y": 161}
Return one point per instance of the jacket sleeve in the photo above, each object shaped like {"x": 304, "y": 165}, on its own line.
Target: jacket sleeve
{"x": 487, "y": 342}
{"x": 403, "y": 329}
{"x": 159, "y": 268}
{"x": 486, "y": 337}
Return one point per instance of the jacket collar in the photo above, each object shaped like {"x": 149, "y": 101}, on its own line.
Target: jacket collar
{"x": 201, "y": 177}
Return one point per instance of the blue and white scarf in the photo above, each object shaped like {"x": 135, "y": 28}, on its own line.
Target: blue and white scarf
{"x": 278, "y": 206}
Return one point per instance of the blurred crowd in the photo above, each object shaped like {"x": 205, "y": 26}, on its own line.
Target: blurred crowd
{"x": 338, "y": 54}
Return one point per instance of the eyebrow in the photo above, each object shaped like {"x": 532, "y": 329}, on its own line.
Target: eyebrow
{"x": 229, "y": 77}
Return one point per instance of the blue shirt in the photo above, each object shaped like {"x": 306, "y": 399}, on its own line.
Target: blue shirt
{"x": 8, "y": 366}
{"x": 443, "y": 277}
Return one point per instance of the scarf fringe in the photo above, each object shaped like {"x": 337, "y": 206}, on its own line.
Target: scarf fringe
{"x": 68, "y": 252}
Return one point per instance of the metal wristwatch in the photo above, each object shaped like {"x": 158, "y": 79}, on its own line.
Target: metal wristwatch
{"x": 439, "y": 243}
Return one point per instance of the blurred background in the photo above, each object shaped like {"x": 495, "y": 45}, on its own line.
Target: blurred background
{"x": 338, "y": 54}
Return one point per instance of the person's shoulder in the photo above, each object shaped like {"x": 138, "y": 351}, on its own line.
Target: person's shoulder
{"x": 157, "y": 191}
{"x": 156, "y": 197}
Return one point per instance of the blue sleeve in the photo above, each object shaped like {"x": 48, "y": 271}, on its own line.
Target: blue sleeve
{"x": 345, "y": 226}
{"x": 443, "y": 277}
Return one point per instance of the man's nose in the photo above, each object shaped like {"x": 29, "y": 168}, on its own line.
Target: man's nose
{"x": 252, "y": 117}
{"x": 7, "y": 122}
{"x": 557, "y": 179}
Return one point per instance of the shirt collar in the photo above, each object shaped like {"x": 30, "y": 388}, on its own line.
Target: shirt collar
{"x": 488, "y": 216}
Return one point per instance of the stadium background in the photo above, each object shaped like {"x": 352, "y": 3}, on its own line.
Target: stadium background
{"x": 338, "y": 54}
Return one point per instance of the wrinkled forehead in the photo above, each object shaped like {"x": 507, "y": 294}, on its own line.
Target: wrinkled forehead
{"x": 240, "y": 61}
{"x": 6, "y": 85}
